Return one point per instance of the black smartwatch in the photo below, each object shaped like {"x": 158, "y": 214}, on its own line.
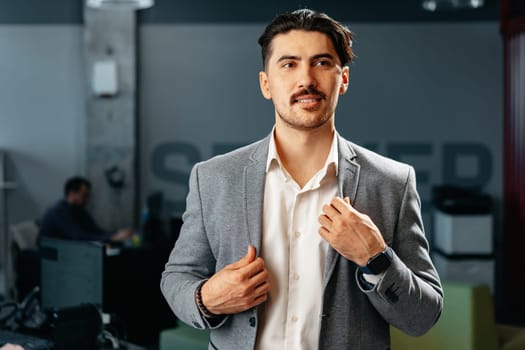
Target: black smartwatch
{"x": 378, "y": 263}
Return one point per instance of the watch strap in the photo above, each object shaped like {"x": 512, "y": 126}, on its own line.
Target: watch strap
{"x": 378, "y": 263}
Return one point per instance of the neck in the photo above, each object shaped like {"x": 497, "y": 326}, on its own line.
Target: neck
{"x": 303, "y": 152}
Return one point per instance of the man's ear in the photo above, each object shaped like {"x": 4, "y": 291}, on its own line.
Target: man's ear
{"x": 264, "y": 85}
{"x": 345, "y": 75}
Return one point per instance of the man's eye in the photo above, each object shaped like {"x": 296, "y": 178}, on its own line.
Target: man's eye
{"x": 322, "y": 63}
{"x": 288, "y": 65}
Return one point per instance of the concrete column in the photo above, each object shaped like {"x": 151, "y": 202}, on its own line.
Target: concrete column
{"x": 111, "y": 136}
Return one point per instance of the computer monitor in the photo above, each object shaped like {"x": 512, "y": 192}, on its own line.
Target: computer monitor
{"x": 72, "y": 272}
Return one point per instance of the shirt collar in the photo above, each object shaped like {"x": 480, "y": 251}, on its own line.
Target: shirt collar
{"x": 273, "y": 156}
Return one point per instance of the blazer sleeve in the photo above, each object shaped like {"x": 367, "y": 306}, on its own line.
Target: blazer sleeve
{"x": 409, "y": 296}
{"x": 191, "y": 261}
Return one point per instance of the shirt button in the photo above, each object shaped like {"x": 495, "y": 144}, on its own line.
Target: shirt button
{"x": 296, "y": 234}
{"x": 296, "y": 276}
{"x": 295, "y": 318}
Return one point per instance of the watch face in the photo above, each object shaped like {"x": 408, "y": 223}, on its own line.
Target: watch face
{"x": 379, "y": 263}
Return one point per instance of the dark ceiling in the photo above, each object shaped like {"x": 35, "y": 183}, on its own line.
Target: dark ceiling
{"x": 347, "y": 10}
{"x": 246, "y": 11}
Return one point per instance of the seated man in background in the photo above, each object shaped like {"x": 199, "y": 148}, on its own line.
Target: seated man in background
{"x": 69, "y": 219}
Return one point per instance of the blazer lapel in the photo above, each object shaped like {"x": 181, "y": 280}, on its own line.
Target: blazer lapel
{"x": 254, "y": 175}
{"x": 348, "y": 180}
{"x": 348, "y": 172}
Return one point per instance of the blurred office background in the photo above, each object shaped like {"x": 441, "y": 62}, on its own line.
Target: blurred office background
{"x": 427, "y": 88}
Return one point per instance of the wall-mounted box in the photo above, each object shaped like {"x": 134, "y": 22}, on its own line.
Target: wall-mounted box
{"x": 105, "y": 78}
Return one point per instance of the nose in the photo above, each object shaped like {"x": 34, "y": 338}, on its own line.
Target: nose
{"x": 306, "y": 77}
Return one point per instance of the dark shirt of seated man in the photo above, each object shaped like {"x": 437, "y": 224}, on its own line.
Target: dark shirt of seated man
{"x": 69, "y": 219}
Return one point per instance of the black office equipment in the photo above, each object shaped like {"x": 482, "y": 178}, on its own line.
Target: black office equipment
{"x": 72, "y": 272}
{"x": 152, "y": 224}
{"x": 26, "y": 341}
{"x": 457, "y": 200}
{"x": 76, "y": 327}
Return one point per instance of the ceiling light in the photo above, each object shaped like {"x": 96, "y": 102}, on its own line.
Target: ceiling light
{"x": 120, "y": 4}
{"x": 448, "y": 5}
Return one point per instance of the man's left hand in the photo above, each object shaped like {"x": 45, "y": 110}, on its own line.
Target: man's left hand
{"x": 349, "y": 232}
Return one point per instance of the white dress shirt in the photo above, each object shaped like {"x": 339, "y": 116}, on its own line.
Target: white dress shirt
{"x": 294, "y": 253}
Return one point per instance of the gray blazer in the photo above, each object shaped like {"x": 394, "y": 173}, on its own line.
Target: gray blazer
{"x": 224, "y": 215}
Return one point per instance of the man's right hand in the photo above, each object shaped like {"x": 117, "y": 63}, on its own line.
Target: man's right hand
{"x": 122, "y": 234}
{"x": 238, "y": 286}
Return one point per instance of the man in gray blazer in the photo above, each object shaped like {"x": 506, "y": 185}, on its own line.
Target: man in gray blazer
{"x": 303, "y": 240}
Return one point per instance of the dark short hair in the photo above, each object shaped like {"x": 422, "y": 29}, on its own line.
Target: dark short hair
{"x": 312, "y": 21}
{"x": 75, "y": 183}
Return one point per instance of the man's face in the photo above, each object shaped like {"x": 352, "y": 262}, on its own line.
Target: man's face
{"x": 303, "y": 78}
{"x": 79, "y": 197}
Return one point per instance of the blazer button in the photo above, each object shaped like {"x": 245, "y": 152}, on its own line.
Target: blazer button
{"x": 252, "y": 321}
{"x": 391, "y": 296}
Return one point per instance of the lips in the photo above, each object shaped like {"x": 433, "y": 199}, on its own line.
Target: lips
{"x": 308, "y": 97}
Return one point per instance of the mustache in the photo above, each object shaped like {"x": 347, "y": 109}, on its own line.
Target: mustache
{"x": 305, "y": 92}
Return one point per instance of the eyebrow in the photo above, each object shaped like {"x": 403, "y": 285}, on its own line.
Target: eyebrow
{"x": 323, "y": 55}
{"x": 288, "y": 57}
{"x": 297, "y": 58}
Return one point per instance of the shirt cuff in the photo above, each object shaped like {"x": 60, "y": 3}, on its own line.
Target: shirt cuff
{"x": 367, "y": 282}
{"x": 373, "y": 279}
